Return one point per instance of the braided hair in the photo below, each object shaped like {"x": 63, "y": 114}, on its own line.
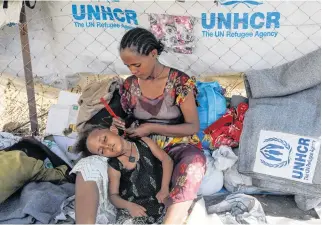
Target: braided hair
{"x": 142, "y": 40}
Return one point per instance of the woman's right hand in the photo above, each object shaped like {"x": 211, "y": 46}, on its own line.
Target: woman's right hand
{"x": 118, "y": 123}
{"x": 136, "y": 210}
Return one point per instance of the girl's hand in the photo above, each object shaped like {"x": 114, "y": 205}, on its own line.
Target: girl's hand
{"x": 136, "y": 210}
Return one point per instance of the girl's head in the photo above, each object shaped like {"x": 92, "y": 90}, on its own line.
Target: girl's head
{"x": 139, "y": 50}
{"x": 100, "y": 141}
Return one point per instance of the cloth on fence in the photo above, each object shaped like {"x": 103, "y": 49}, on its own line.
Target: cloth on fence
{"x": 94, "y": 168}
{"x": 176, "y": 32}
{"x": 7, "y": 140}
{"x": 284, "y": 122}
{"x": 17, "y": 169}
{"x": 10, "y": 12}
{"x": 89, "y": 101}
{"x": 239, "y": 208}
{"x": 213, "y": 180}
{"x": 36, "y": 203}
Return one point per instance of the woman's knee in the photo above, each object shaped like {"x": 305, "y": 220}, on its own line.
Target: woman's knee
{"x": 187, "y": 152}
{"x": 196, "y": 157}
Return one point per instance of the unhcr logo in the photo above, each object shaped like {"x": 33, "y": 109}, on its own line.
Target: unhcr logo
{"x": 275, "y": 153}
{"x": 288, "y": 156}
{"x": 237, "y": 2}
{"x": 245, "y": 20}
{"x": 101, "y": 16}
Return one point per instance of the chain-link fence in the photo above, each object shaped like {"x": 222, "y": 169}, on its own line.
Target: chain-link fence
{"x": 73, "y": 42}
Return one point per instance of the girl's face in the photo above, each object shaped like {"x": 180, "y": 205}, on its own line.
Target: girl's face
{"x": 140, "y": 66}
{"x": 105, "y": 143}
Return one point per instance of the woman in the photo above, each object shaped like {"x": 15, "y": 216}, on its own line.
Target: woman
{"x": 163, "y": 100}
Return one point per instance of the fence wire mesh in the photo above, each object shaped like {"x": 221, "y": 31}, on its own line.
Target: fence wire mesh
{"x": 68, "y": 52}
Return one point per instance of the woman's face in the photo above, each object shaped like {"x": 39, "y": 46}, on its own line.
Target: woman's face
{"x": 140, "y": 66}
{"x": 105, "y": 143}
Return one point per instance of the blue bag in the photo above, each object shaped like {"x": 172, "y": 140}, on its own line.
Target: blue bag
{"x": 212, "y": 103}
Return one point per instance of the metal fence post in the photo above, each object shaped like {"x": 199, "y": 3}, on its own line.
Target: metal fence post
{"x": 28, "y": 71}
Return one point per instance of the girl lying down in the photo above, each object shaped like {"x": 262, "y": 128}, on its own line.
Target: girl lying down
{"x": 139, "y": 175}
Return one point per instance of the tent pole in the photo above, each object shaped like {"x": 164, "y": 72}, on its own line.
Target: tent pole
{"x": 28, "y": 71}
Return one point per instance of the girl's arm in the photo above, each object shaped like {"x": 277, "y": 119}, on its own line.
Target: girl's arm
{"x": 87, "y": 199}
{"x": 113, "y": 190}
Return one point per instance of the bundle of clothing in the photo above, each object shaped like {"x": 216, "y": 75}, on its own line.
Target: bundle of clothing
{"x": 226, "y": 130}
{"x": 92, "y": 110}
{"x": 239, "y": 209}
{"x": 26, "y": 161}
{"x": 34, "y": 182}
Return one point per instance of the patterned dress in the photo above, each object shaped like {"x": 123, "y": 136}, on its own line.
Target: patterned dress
{"x": 189, "y": 160}
{"x": 140, "y": 186}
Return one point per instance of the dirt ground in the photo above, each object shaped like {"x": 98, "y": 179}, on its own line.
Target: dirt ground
{"x": 14, "y": 109}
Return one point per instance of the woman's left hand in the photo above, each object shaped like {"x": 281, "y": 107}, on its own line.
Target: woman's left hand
{"x": 162, "y": 195}
{"x": 143, "y": 130}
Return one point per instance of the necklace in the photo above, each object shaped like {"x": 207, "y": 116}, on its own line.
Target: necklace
{"x": 131, "y": 158}
{"x": 152, "y": 77}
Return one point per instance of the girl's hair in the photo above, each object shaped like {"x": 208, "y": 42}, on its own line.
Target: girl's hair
{"x": 81, "y": 144}
{"x": 142, "y": 40}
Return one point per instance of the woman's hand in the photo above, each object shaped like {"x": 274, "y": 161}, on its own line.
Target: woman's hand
{"x": 162, "y": 194}
{"x": 136, "y": 210}
{"x": 118, "y": 123}
{"x": 143, "y": 130}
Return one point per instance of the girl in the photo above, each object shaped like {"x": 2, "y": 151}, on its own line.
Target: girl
{"x": 138, "y": 182}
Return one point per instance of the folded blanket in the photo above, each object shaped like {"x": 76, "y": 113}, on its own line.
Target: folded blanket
{"x": 36, "y": 203}
{"x": 280, "y": 144}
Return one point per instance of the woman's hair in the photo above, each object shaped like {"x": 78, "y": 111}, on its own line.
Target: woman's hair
{"x": 81, "y": 144}
{"x": 142, "y": 40}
